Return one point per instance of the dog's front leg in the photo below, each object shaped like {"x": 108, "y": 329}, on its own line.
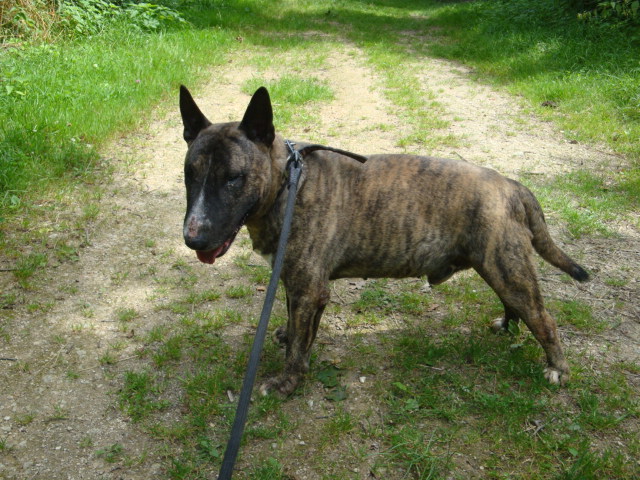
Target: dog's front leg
{"x": 305, "y": 309}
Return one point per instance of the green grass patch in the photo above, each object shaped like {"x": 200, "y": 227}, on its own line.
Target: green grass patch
{"x": 46, "y": 133}
{"x": 576, "y": 313}
{"x": 293, "y": 98}
{"x": 590, "y": 203}
{"x": 404, "y": 299}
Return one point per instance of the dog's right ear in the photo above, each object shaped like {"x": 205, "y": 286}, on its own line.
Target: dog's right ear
{"x": 257, "y": 122}
{"x": 192, "y": 118}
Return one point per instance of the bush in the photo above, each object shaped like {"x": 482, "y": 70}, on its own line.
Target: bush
{"x": 26, "y": 19}
{"x": 615, "y": 12}
{"x": 85, "y": 17}
{"x": 41, "y": 20}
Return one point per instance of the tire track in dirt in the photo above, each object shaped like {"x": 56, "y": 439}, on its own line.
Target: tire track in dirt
{"x": 138, "y": 238}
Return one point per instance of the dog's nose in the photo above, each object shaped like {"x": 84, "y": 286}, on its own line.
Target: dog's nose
{"x": 196, "y": 243}
{"x": 194, "y": 235}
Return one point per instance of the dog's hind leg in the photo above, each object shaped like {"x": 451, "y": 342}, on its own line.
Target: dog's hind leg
{"x": 280, "y": 334}
{"x": 513, "y": 277}
{"x": 305, "y": 310}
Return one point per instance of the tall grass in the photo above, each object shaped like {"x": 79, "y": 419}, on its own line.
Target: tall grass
{"x": 33, "y": 19}
{"x": 59, "y": 101}
{"x": 540, "y": 49}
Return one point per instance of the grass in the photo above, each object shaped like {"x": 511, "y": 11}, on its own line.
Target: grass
{"x": 591, "y": 203}
{"x": 45, "y": 132}
{"x": 546, "y": 54}
{"x": 440, "y": 399}
{"x": 444, "y": 389}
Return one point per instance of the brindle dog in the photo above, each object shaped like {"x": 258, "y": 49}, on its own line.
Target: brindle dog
{"x": 393, "y": 216}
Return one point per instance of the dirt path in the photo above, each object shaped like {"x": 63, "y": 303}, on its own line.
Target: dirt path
{"x": 62, "y": 364}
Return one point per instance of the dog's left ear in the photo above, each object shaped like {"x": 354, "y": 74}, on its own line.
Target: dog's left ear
{"x": 257, "y": 122}
{"x": 192, "y": 118}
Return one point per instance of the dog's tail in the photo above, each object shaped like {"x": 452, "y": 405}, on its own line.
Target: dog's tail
{"x": 542, "y": 241}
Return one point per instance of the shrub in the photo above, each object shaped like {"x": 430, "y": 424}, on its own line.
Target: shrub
{"x": 85, "y": 17}
{"x": 38, "y": 20}
{"x": 27, "y": 19}
{"x": 615, "y": 12}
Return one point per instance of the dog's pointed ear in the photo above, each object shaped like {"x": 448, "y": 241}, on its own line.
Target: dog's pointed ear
{"x": 257, "y": 122}
{"x": 192, "y": 118}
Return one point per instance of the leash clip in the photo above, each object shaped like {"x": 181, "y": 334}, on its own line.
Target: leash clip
{"x": 294, "y": 155}
{"x": 294, "y": 160}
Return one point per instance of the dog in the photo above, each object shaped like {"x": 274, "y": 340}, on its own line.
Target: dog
{"x": 393, "y": 216}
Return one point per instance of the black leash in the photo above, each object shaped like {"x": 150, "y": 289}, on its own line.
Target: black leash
{"x": 294, "y": 165}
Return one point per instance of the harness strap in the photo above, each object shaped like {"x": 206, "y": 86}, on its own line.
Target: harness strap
{"x": 312, "y": 148}
{"x": 304, "y": 151}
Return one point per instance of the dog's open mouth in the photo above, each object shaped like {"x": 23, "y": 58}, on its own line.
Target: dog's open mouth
{"x": 209, "y": 256}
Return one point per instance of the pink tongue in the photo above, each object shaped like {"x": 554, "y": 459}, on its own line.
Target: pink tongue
{"x": 210, "y": 255}
{"x": 206, "y": 257}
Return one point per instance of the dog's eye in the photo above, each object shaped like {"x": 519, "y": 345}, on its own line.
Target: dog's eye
{"x": 235, "y": 181}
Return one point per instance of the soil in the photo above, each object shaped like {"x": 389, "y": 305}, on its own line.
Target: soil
{"x": 52, "y": 423}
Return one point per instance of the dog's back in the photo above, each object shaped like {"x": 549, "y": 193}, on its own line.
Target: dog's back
{"x": 402, "y": 215}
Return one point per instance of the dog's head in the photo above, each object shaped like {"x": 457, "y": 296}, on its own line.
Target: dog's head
{"x": 226, "y": 172}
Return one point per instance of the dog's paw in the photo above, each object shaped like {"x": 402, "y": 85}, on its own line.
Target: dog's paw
{"x": 500, "y": 325}
{"x": 284, "y": 384}
{"x": 555, "y": 376}
{"x": 280, "y": 336}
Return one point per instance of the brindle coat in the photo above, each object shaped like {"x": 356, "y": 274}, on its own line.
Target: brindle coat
{"x": 394, "y": 216}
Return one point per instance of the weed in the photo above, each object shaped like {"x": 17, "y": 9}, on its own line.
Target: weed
{"x": 107, "y": 359}
{"x": 138, "y": 395}
{"x": 364, "y": 319}
{"x": 112, "y": 453}
{"x": 66, "y": 253}
{"x": 239, "y": 291}
{"x": 40, "y": 307}
{"x": 616, "y": 282}
{"x": 90, "y": 212}
{"x": 26, "y": 419}
{"x": 119, "y": 278}
{"x": 378, "y": 295}
{"x": 86, "y": 442}
{"x": 170, "y": 351}
{"x": 156, "y": 333}
{"x": 271, "y": 469}
{"x": 28, "y": 265}
{"x": 59, "y": 413}
{"x": 342, "y": 422}
{"x": 205, "y": 296}
{"x": 414, "y": 451}
{"x": 126, "y": 315}
{"x": 8, "y": 301}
